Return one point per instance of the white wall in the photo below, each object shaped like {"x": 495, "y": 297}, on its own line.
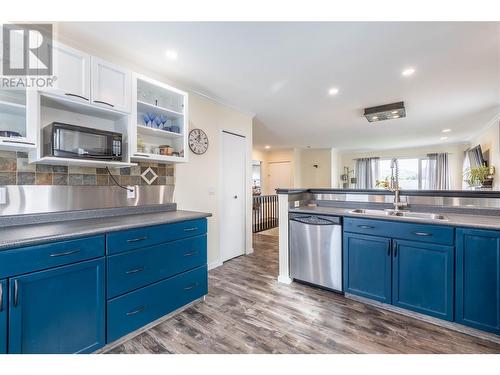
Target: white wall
{"x": 311, "y": 177}
{"x": 273, "y": 156}
{"x": 198, "y": 182}
{"x": 455, "y": 158}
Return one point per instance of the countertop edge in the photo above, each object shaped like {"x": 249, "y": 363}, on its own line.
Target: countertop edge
{"x": 343, "y": 212}
{"x": 191, "y": 215}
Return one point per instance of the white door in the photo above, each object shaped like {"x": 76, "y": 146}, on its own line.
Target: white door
{"x": 72, "y": 69}
{"x": 280, "y": 175}
{"x": 233, "y": 215}
{"x": 111, "y": 86}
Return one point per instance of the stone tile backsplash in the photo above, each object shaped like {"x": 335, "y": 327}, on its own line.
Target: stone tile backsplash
{"x": 15, "y": 170}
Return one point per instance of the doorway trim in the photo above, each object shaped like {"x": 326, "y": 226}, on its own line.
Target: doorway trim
{"x": 248, "y": 197}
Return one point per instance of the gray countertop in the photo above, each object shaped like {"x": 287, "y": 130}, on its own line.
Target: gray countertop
{"x": 454, "y": 219}
{"x": 23, "y": 235}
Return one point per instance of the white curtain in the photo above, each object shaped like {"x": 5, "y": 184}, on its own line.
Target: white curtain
{"x": 438, "y": 172}
{"x": 366, "y": 173}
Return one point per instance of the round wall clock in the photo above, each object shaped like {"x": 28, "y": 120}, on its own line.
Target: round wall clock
{"x": 198, "y": 141}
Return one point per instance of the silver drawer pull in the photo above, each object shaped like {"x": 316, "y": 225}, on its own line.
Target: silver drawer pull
{"x": 135, "y": 270}
{"x": 190, "y": 229}
{"x": 366, "y": 227}
{"x": 137, "y": 311}
{"x": 423, "y": 234}
{"x": 1, "y": 297}
{"x": 64, "y": 253}
{"x": 193, "y": 286}
{"x": 16, "y": 292}
{"x": 191, "y": 253}
{"x": 137, "y": 239}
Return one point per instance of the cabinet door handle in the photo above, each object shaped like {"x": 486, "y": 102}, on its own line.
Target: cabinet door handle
{"x": 64, "y": 253}
{"x": 137, "y": 310}
{"x": 76, "y": 96}
{"x": 1, "y": 297}
{"x": 135, "y": 270}
{"x": 137, "y": 239}
{"x": 101, "y": 102}
{"x": 366, "y": 227}
{"x": 16, "y": 292}
{"x": 191, "y": 253}
{"x": 193, "y": 286}
{"x": 18, "y": 142}
{"x": 395, "y": 251}
{"x": 190, "y": 229}
{"x": 423, "y": 234}
{"x": 389, "y": 251}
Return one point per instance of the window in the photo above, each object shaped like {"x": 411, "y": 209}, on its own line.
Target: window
{"x": 409, "y": 172}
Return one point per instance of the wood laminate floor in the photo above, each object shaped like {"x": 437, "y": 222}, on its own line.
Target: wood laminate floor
{"x": 247, "y": 311}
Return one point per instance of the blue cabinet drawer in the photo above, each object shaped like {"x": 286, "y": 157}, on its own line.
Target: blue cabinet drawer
{"x": 405, "y": 231}
{"x": 147, "y": 236}
{"x": 34, "y": 258}
{"x": 141, "y": 267}
{"x": 138, "y": 308}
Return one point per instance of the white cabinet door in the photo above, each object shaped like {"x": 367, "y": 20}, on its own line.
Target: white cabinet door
{"x": 72, "y": 71}
{"x": 111, "y": 86}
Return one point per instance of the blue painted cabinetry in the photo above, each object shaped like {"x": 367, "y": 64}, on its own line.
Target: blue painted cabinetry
{"x": 60, "y": 310}
{"x": 423, "y": 278}
{"x": 478, "y": 279}
{"x": 3, "y": 316}
{"x": 65, "y": 297}
{"x": 367, "y": 266}
{"x": 404, "y": 267}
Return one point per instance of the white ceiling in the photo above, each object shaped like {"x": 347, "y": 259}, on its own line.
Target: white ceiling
{"x": 281, "y": 72}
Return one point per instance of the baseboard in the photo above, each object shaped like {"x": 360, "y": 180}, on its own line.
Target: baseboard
{"x": 215, "y": 264}
{"x": 250, "y": 251}
{"x": 284, "y": 279}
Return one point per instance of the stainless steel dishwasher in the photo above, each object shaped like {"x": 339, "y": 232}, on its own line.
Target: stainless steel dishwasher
{"x": 316, "y": 250}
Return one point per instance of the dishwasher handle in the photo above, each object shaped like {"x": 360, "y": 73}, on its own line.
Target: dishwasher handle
{"x": 315, "y": 220}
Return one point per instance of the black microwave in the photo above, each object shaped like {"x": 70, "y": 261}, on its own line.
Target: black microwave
{"x": 78, "y": 142}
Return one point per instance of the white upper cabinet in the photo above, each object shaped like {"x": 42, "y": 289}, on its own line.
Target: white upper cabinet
{"x": 111, "y": 86}
{"x": 72, "y": 69}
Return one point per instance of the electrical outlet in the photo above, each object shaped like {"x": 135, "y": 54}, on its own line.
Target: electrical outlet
{"x": 131, "y": 192}
{"x": 3, "y": 195}
{"x": 296, "y": 203}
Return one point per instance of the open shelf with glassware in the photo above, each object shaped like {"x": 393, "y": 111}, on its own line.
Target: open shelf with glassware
{"x": 15, "y": 133}
{"x": 158, "y": 129}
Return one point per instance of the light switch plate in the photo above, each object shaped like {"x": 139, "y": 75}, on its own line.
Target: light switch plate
{"x": 3, "y": 195}
{"x": 131, "y": 192}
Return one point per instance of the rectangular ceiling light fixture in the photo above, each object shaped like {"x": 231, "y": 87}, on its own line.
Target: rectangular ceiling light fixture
{"x": 385, "y": 112}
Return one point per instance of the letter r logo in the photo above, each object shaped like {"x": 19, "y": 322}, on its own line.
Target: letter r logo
{"x": 27, "y": 49}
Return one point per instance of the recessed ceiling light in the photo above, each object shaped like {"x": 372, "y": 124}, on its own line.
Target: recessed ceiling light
{"x": 444, "y": 138}
{"x": 333, "y": 91}
{"x": 395, "y": 116}
{"x": 375, "y": 118}
{"x": 267, "y": 147}
{"x": 408, "y": 72}
{"x": 171, "y": 54}
{"x": 445, "y": 130}
{"x": 394, "y": 112}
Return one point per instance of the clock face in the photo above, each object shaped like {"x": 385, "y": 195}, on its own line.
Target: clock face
{"x": 198, "y": 141}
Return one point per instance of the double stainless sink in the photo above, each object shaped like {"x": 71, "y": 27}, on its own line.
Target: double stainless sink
{"x": 394, "y": 213}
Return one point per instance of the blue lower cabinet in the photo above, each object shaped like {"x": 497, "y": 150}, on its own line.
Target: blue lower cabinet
{"x": 478, "y": 279}
{"x": 423, "y": 278}
{"x": 3, "y": 316}
{"x": 140, "y": 307}
{"x": 60, "y": 310}
{"x": 367, "y": 266}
